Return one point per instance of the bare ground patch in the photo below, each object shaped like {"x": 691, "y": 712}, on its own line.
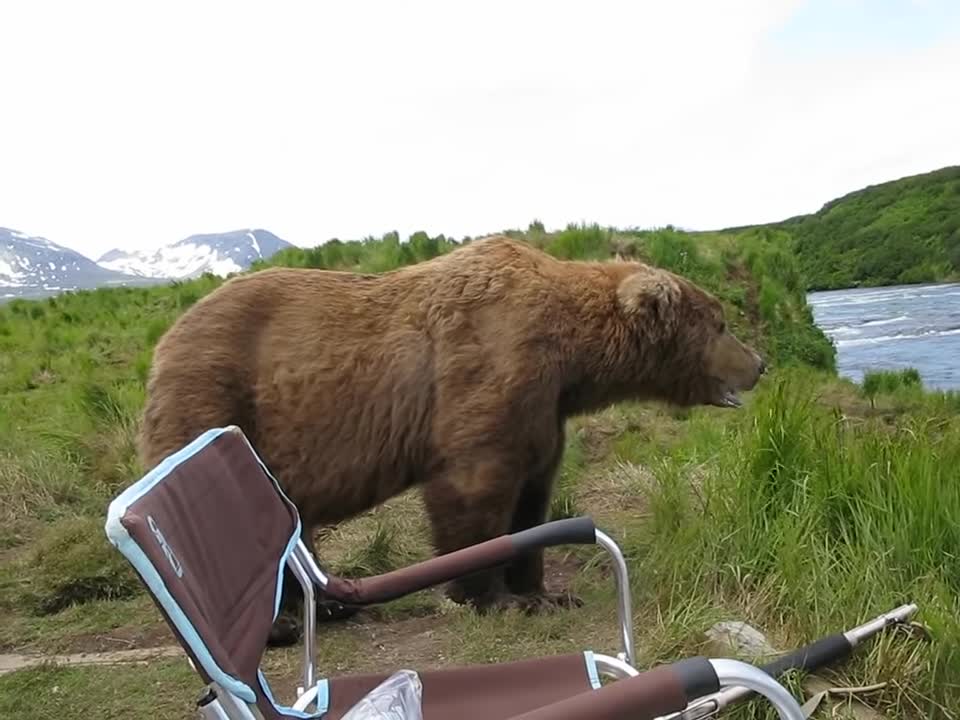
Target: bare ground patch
{"x": 613, "y": 492}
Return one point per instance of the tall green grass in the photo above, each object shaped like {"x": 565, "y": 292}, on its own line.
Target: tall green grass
{"x": 823, "y": 521}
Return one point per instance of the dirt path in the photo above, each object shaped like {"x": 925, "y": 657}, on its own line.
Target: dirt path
{"x": 14, "y": 662}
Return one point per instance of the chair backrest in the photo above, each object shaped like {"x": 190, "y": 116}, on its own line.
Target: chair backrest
{"x": 209, "y": 531}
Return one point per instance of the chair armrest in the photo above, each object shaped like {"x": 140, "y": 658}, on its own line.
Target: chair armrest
{"x": 648, "y": 695}
{"x": 444, "y": 568}
{"x": 668, "y": 690}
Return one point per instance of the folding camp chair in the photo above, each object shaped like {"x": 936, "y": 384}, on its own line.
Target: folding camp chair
{"x": 209, "y": 532}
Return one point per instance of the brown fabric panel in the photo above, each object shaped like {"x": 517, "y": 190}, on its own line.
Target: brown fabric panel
{"x": 396, "y": 583}
{"x": 647, "y": 696}
{"x": 227, "y": 527}
{"x": 479, "y": 692}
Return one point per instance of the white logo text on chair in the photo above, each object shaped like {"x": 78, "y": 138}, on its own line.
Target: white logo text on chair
{"x": 167, "y": 550}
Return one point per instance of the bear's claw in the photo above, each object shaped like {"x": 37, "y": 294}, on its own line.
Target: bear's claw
{"x": 530, "y": 604}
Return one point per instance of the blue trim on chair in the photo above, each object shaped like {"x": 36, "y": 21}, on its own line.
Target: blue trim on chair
{"x": 119, "y": 537}
{"x": 592, "y": 673}
{"x": 323, "y": 691}
{"x": 289, "y": 711}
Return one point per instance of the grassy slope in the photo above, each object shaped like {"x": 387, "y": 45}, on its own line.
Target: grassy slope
{"x": 903, "y": 231}
{"x": 796, "y": 510}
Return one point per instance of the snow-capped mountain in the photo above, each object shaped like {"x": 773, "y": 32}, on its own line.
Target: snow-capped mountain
{"x": 217, "y": 253}
{"x": 36, "y": 267}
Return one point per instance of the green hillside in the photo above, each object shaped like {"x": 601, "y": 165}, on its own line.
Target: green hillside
{"x": 812, "y": 508}
{"x": 903, "y": 231}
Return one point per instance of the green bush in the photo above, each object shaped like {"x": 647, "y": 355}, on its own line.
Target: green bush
{"x": 581, "y": 243}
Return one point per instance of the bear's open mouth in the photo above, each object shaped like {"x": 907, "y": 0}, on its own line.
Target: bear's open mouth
{"x": 722, "y": 393}
{"x": 730, "y": 399}
{"x": 726, "y": 397}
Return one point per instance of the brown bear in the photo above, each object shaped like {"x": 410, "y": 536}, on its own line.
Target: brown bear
{"x": 455, "y": 374}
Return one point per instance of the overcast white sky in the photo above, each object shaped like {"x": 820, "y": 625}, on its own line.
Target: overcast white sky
{"x": 134, "y": 124}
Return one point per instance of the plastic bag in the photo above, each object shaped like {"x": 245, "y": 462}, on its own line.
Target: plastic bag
{"x": 396, "y": 698}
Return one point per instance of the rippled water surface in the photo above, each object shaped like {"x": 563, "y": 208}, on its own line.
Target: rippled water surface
{"x": 895, "y": 327}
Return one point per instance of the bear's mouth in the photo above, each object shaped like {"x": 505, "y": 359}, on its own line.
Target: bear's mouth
{"x": 730, "y": 399}
{"x": 726, "y": 396}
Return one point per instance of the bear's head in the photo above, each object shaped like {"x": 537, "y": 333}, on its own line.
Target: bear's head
{"x": 684, "y": 352}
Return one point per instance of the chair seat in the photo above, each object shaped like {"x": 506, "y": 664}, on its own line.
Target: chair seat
{"x": 476, "y": 692}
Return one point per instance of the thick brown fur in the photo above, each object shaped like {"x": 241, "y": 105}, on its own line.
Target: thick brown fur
{"x": 455, "y": 375}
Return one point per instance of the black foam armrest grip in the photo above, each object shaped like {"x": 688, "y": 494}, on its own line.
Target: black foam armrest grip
{"x": 571, "y": 531}
{"x": 817, "y": 654}
{"x": 697, "y": 676}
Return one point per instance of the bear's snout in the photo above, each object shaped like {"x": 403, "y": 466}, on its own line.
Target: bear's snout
{"x": 761, "y": 364}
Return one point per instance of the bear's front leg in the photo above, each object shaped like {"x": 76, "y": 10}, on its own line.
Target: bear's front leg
{"x": 469, "y": 505}
{"x": 524, "y": 576}
{"x": 466, "y": 506}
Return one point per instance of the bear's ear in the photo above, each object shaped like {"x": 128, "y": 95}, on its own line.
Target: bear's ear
{"x": 652, "y": 293}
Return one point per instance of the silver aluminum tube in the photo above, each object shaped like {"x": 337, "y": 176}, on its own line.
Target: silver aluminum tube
{"x": 712, "y": 704}
{"x": 741, "y": 674}
{"x": 898, "y": 615}
{"x": 212, "y": 711}
{"x": 705, "y": 707}
{"x": 318, "y": 576}
{"x": 226, "y": 706}
{"x": 309, "y": 619}
{"x": 614, "y": 668}
{"x": 308, "y": 696}
{"x": 624, "y": 610}
{"x": 729, "y": 672}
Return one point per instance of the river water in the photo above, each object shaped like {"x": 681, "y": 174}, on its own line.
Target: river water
{"x": 894, "y": 327}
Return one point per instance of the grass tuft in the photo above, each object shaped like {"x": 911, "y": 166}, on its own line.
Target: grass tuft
{"x": 563, "y": 503}
{"x": 380, "y": 551}
{"x": 73, "y": 563}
